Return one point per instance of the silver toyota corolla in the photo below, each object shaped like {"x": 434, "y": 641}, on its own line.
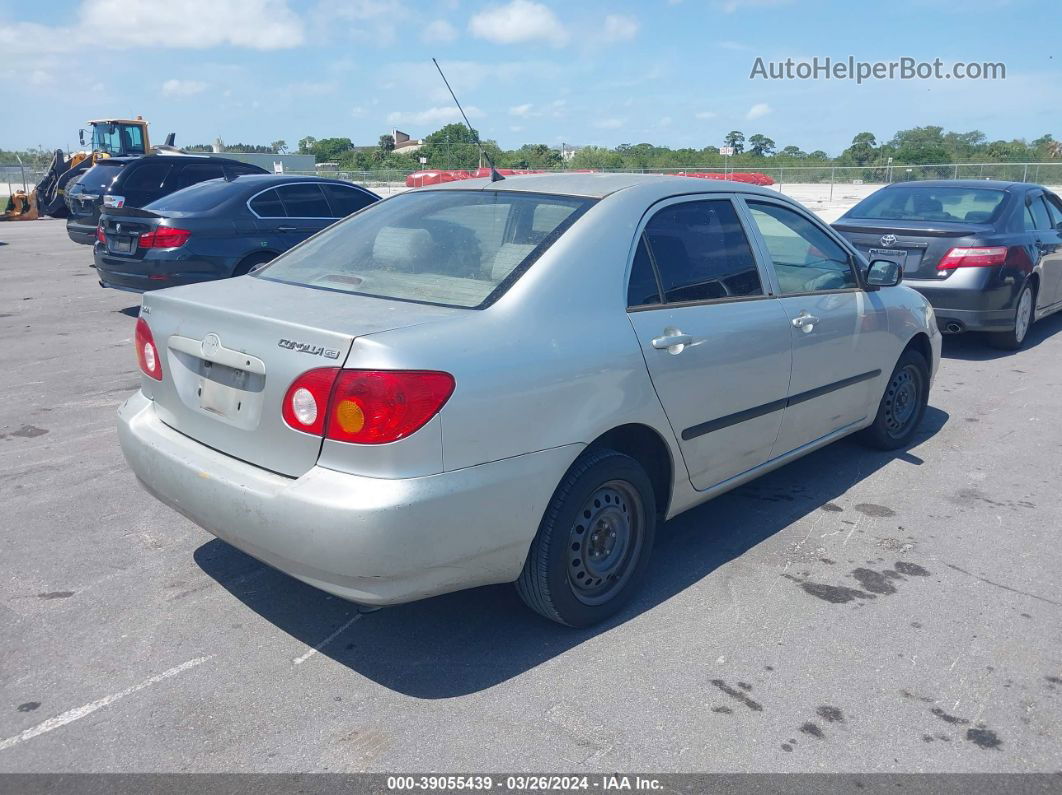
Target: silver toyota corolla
{"x": 516, "y": 381}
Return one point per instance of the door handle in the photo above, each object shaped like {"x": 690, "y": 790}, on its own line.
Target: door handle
{"x": 805, "y": 322}
{"x": 286, "y": 228}
{"x": 669, "y": 341}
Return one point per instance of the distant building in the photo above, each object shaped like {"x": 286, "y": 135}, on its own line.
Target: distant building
{"x": 404, "y": 144}
{"x": 567, "y": 151}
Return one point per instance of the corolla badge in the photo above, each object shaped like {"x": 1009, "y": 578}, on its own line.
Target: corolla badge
{"x": 888, "y": 240}
{"x": 211, "y": 344}
{"x": 305, "y": 347}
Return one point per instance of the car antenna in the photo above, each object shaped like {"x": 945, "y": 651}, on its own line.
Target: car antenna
{"x": 494, "y": 175}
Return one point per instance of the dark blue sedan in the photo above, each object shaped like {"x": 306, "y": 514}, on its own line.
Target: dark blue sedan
{"x": 217, "y": 229}
{"x": 987, "y": 254}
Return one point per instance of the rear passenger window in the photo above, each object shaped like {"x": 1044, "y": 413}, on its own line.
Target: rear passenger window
{"x": 701, "y": 252}
{"x": 1039, "y": 212}
{"x": 267, "y": 205}
{"x": 805, "y": 258}
{"x": 304, "y": 200}
{"x": 194, "y": 173}
{"x": 344, "y": 200}
{"x": 1054, "y": 209}
{"x": 147, "y": 176}
{"x": 642, "y": 290}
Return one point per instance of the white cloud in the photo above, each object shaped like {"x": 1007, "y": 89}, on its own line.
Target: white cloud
{"x": 619, "y": 28}
{"x": 705, "y": 114}
{"x": 438, "y": 115}
{"x": 182, "y": 88}
{"x": 194, "y": 24}
{"x": 517, "y": 22}
{"x": 758, "y": 111}
{"x": 439, "y": 31}
{"x": 609, "y": 124}
{"x": 730, "y": 6}
{"x": 524, "y": 110}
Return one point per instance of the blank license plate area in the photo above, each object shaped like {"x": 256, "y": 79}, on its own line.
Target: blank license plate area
{"x": 222, "y": 390}
{"x": 122, "y": 244}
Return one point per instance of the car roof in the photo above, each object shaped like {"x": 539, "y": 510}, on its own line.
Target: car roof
{"x": 598, "y": 186}
{"x": 171, "y": 157}
{"x": 283, "y": 179}
{"x": 991, "y": 184}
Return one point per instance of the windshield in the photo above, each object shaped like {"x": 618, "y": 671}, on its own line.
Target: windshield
{"x": 458, "y": 248}
{"x": 917, "y": 203}
{"x": 98, "y": 178}
{"x": 118, "y": 139}
{"x": 196, "y": 198}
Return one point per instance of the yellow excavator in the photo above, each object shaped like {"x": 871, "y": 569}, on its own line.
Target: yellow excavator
{"x": 109, "y": 138}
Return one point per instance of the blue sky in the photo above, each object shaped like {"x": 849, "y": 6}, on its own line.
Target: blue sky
{"x": 671, "y": 72}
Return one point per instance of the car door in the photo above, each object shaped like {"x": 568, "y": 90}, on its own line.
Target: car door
{"x": 838, "y": 331}
{"x": 715, "y": 341}
{"x": 306, "y": 208}
{"x": 346, "y": 199}
{"x": 1046, "y": 218}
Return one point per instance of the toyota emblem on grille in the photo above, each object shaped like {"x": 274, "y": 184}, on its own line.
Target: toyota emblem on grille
{"x": 211, "y": 344}
{"x": 888, "y": 240}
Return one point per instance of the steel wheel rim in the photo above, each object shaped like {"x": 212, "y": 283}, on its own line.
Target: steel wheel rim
{"x": 1021, "y": 322}
{"x": 605, "y": 542}
{"x": 902, "y": 399}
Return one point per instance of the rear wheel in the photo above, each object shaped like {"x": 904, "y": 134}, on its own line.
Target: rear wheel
{"x": 594, "y": 541}
{"x": 903, "y": 405}
{"x": 253, "y": 261}
{"x": 1014, "y": 338}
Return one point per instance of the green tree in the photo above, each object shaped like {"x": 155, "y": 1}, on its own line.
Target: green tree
{"x": 793, "y": 151}
{"x": 387, "y": 143}
{"x": 760, "y": 145}
{"x": 330, "y": 150}
{"x": 279, "y": 146}
{"x": 306, "y": 145}
{"x": 736, "y": 139}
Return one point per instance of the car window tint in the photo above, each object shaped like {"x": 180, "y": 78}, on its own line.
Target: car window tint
{"x": 243, "y": 168}
{"x": 921, "y": 203}
{"x": 99, "y": 177}
{"x": 268, "y": 205}
{"x": 642, "y": 289}
{"x": 1054, "y": 209}
{"x": 805, "y": 258}
{"x": 1040, "y": 216}
{"x": 344, "y": 200}
{"x": 146, "y": 176}
{"x": 304, "y": 200}
{"x": 1029, "y": 221}
{"x": 195, "y": 198}
{"x": 193, "y": 173}
{"x": 701, "y": 252}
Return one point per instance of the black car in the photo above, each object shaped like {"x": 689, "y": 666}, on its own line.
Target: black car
{"x": 217, "y": 229}
{"x": 136, "y": 181}
{"x": 987, "y": 254}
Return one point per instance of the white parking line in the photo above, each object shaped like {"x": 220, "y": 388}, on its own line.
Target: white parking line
{"x": 80, "y": 712}
{"x": 325, "y": 642}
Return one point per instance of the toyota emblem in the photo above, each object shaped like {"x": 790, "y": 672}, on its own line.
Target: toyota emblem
{"x": 888, "y": 240}
{"x": 211, "y": 344}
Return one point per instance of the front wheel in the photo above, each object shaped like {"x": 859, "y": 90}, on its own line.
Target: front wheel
{"x": 594, "y": 541}
{"x": 903, "y": 405}
{"x": 1014, "y": 338}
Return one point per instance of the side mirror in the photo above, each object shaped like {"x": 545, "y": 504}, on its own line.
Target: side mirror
{"x": 81, "y": 136}
{"x": 884, "y": 273}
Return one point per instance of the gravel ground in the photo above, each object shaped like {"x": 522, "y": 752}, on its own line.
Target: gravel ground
{"x": 854, "y": 611}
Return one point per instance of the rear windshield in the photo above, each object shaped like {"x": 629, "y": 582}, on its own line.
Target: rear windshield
{"x": 917, "y": 203}
{"x": 98, "y": 178}
{"x": 457, "y": 248}
{"x": 196, "y": 198}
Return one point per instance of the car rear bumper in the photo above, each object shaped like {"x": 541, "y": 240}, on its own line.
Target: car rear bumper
{"x": 370, "y": 540}
{"x": 155, "y": 271}
{"x": 81, "y": 233}
{"x": 971, "y": 299}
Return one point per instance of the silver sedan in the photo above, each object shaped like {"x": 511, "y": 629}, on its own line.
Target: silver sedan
{"x": 517, "y": 381}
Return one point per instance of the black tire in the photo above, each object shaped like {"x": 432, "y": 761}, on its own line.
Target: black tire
{"x": 902, "y": 406}
{"x": 1013, "y": 338}
{"x": 601, "y": 520}
{"x": 250, "y": 262}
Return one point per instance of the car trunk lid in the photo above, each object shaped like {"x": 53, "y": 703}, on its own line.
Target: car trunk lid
{"x": 916, "y": 245}
{"x": 231, "y": 349}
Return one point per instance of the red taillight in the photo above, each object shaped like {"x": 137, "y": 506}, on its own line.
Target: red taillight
{"x": 306, "y": 402}
{"x": 146, "y": 352}
{"x": 100, "y": 236}
{"x": 164, "y": 237}
{"x": 365, "y": 406}
{"x": 972, "y": 258}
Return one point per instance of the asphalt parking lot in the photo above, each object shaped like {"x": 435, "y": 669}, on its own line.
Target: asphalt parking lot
{"x": 854, "y": 611}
